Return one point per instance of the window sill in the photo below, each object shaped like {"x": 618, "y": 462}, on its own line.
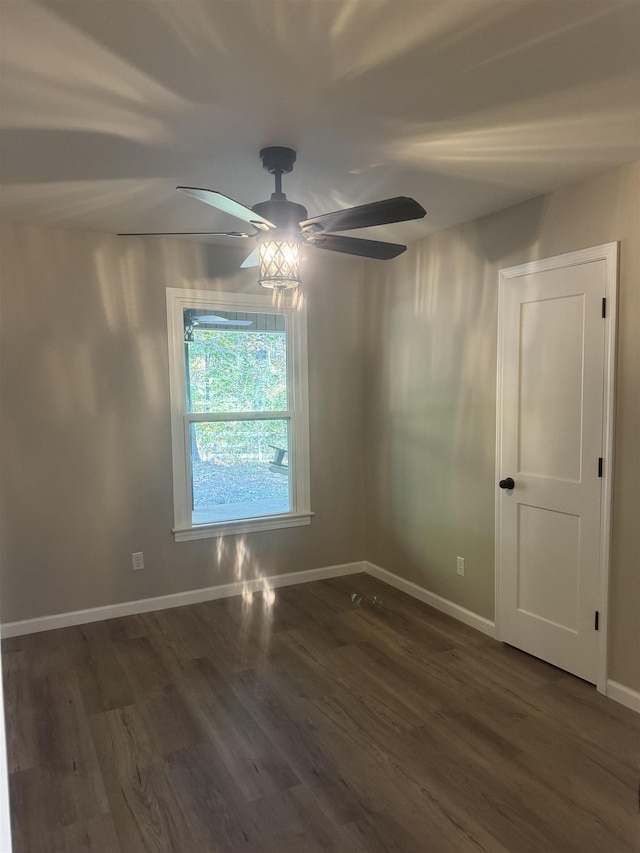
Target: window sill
{"x": 242, "y": 525}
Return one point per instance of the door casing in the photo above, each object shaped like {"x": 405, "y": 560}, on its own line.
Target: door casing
{"x": 508, "y": 277}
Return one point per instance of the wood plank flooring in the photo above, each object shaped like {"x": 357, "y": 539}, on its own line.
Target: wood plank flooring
{"x": 309, "y": 724}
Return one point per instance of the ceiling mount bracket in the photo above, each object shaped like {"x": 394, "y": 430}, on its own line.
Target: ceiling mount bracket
{"x": 277, "y": 159}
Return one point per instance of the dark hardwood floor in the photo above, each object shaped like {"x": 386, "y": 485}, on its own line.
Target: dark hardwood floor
{"x": 309, "y": 724}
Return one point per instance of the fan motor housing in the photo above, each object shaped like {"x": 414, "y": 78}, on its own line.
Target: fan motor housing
{"x": 283, "y": 213}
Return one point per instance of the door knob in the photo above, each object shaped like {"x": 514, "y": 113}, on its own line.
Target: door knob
{"x": 506, "y": 483}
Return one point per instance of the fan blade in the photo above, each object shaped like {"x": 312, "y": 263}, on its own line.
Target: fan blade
{"x": 356, "y": 246}
{"x": 242, "y": 234}
{"x": 251, "y": 260}
{"x": 383, "y": 212}
{"x": 229, "y": 205}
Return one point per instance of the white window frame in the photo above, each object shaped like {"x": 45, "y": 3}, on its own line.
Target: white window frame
{"x": 297, "y": 414}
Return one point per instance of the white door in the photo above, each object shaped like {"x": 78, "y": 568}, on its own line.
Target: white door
{"x": 554, "y": 398}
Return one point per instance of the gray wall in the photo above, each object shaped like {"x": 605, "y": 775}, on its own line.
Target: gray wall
{"x": 431, "y": 322}
{"x": 85, "y": 450}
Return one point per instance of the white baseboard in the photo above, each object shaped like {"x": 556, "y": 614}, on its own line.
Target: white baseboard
{"x": 618, "y": 692}
{"x": 625, "y": 695}
{"x": 178, "y": 599}
{"x": 193, "y": 596}
{"x": 443, "y": 604}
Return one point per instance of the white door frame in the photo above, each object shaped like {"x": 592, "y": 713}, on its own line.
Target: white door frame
{"x": 608, "y": 253}
{"x": 5, "y": 808}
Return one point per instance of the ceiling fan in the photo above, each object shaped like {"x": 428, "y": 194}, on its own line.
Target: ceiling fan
{"x": 281, "y": 226}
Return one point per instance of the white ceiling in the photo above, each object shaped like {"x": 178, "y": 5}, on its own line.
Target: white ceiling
{"x": 466, "y": 105}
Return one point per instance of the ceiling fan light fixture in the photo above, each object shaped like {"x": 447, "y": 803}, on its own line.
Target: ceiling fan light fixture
{"x": 281, "y": 226}
{"x": 279, "y": 264}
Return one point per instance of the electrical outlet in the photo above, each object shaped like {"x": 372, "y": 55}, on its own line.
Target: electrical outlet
{"x": 137, "y": 561}
{"x": 460, "y": 565}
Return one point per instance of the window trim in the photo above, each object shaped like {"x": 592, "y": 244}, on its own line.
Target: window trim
{"x": 298, "y": 412}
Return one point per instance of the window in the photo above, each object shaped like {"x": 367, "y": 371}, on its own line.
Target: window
{"x": 239, "y": 413}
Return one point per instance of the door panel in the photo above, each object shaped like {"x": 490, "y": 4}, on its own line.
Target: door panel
{"x": 549, "y": 565}
{"x": 550, "y": 428}
{"x": 551, "y": 387}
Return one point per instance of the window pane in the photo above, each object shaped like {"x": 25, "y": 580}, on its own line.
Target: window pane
{"x": 239, "y": 469}
{"x": 236, "y": 362}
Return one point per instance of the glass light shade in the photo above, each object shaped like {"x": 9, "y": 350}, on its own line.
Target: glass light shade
{"x": 279, "y": 262}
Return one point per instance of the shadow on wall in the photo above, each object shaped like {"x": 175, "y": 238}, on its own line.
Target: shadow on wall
{"x": 85, "y": 430}
{"x": 431, "y": 341}
{"x": 221, "y": 266}
{"x": 492, "y": 242}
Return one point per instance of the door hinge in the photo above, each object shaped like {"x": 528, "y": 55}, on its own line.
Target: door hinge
{"x": 604, "y": 307}
{"x": 596, "y": 620}
{"x": 600, "y": 466}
